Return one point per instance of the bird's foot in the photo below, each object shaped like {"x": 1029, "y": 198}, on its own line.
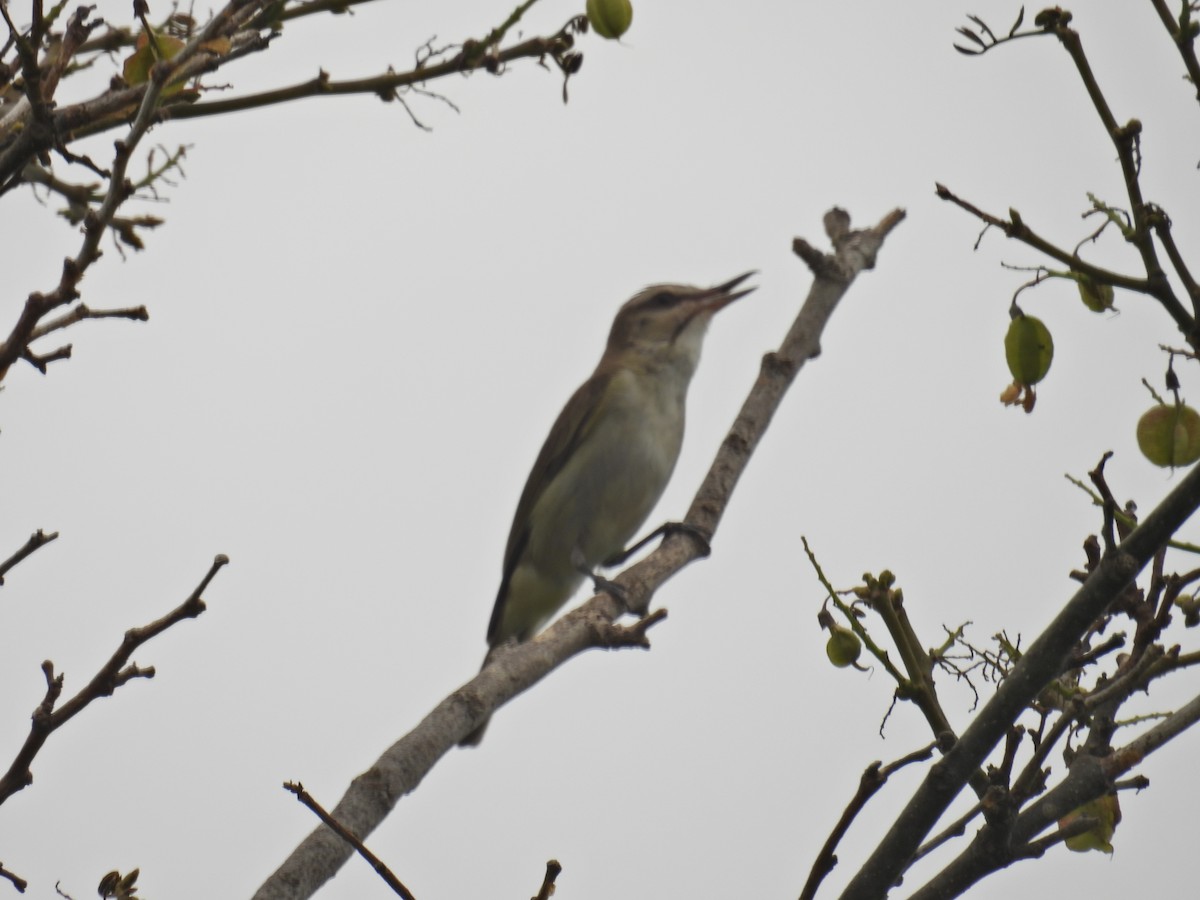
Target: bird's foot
{"x": 614, "y": 590}
{"x": 601, "y": 584}
{"x": 702, "y": 536}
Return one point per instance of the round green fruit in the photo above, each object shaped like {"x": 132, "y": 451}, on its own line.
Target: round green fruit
{"x": 610, "y": 18}
{"x": 1029, "y": 349}
{"x": 1170, "y": 435}
{"x": 843, "y": 647}
{"x": 1107, "y": 812}
{"x": 1096, "y": 297}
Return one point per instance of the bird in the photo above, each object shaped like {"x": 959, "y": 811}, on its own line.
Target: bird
{"x": 607, "y": 459}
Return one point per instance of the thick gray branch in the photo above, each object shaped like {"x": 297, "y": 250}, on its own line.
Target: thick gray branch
{"x": 372, "y": 795}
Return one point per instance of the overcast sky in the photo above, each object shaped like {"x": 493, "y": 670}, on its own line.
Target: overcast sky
{"x": 360, "y": 333}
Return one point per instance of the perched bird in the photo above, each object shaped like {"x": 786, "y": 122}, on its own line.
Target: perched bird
{"x": 607, "y": 459}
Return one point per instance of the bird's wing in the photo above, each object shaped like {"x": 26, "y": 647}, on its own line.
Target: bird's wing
{"x": 569, "y": 431}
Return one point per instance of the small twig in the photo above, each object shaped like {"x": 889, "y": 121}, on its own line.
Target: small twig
{"x": 957, "y": 828}
{"x": 986, "y": 39}
{"x": 1041, "y": 663}
{"x": 36, "y": 541}
{"x": 855, "y": 625}
{"x": 32, "y": 142}
{"x": 41, "y": 361}
{"x": 39, "y": 127}
{"x": 1136, "y": 783}
{"x": 341, "y": 831}
{"x": 83, "y": 311}
{"x": 611, "y": 635}
{"x": 17, "y": 881}
{"x": 77, "y": 195}
{"x": 114, "y": 673}
{"x": 872, "y": 779}
{"x": 1032, "y": 778}
{"x": 1036, "y": 849}
{"x": 1132, "y": 754}
{"x": 553, "y": 869}
{"x": 1115, "y": 642}
{"x": 318, "y": 6}
{"x": 1110, "y": 503}
{"x": 1012, "y": 743}
{"x": 497, "y": 34}
{"x": 1161, "y": 223}
{"x": 469, "y": 59}
{"x": 1126, "y": 140}
{"x": 1124, "y": 519}
{"x": 1014, "y": 227}
{"x": 1184, "y": 38}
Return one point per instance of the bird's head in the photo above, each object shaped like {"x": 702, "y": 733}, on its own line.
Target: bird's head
{"x": 664, "y": 324}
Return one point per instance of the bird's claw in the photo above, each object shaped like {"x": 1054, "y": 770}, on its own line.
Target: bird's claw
{"x": 603, "y": 586}
{"x": 702, "y": 536}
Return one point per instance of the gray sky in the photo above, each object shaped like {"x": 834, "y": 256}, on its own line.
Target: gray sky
{"x": 360, "y": 333}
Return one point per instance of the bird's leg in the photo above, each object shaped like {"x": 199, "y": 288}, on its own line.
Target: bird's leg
{"x": 701, "y": 535}
{"x": 599, "y": 582}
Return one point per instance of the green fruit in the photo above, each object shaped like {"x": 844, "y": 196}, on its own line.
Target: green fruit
{"x": 1096, "y": 297}
{"x": 1170, "y": 435}
{"x": 1029, "y": 349}
{"x": 1107, "y": 812}
{"x": 610, "y": 18}
{"x": 843, "y": 647}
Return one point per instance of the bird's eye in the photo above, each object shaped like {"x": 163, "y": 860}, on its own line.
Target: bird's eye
{"x": 661, "y": 300}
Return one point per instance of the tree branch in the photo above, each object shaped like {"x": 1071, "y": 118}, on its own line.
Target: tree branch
{"x": 82, "y": 311}
{"x": 31, "y": 131}
{"x": 1125, "y": 139}
{"x": 17, "y": 881}
{"x": 873, "y": 778}
{"x": 1043, "y": 660}
{"x": 1090, "y": 777}
{"x": 97, "y": 221}
{"x": 553, "y": 870}
{"x": 113, "y": 674}
{"x": 36, "y": 541}
{"x": 372, "y": 795}
{"x": 1015, "y": 227}
{"x": 1183, "y": 33}
{"x": 341, "y": 831}
{"x": 384, "y": 85}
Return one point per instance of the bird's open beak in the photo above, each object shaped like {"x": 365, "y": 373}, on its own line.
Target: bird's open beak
{"x": 722, "y": 295}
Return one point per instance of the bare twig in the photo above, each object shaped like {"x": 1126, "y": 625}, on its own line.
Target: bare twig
{"x": 114, "y": 673}
{"x": 341, "y": 831}
{"x": 17, "y": 881}
{"x": 1183, "y": 33}
{"x": 82, "y": 311}
{"x": 36, "y": 541}
{"x": 553, "y": 870}
{"x": 984, "y": 39}
{"x": 1042, "y": 662}
{"x": 30, "y": 133}
{"x": 1015, "y": 227}
{"x": 384, "y": 85}
{"x": 873, "y": 778}
{"x": 957, "y": 828}
{"x": 1161, "y": 224}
